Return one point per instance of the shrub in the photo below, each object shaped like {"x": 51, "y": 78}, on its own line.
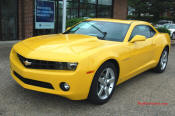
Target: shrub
{"x": 163, "y": 30}
{"x": 74, "y": 21}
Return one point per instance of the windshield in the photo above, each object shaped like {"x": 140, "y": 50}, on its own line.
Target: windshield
{"x": 171, "y": 27}
{"x": 102, "y": 30}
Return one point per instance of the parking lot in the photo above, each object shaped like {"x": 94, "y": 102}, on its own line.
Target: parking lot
{"x": 147, "y": 87}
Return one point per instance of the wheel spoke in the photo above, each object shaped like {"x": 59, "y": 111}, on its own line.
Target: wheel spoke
{"x": 165, "y": 60}
{"x": 101, "y": 91}
{"x": 107, "y": 73}
{"x": 162, "y": 67}
{"x": 102, "y": 81}
{"x": 106, "y": 91}
{"x": 109, "y": 81}
{"x": 162, "y": 63}
{"x": 165, "y": 54}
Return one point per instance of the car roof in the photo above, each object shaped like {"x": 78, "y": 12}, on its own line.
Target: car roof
{"x": 116, "y": 20}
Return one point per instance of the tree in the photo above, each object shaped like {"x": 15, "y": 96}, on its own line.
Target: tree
{"x": 152, "y": 7}
{"x": 158, "y": 7}
{"x": 140, "y": 6}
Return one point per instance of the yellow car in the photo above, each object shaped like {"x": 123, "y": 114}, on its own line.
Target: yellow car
{"x": 89, "y": 59}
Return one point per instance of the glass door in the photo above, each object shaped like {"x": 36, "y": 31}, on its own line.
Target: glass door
{"x": 8, "y": 20}
{"x": 58, "y": 4}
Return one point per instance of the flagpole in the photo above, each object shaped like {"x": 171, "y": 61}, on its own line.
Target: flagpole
{"x": 64, "y": 16}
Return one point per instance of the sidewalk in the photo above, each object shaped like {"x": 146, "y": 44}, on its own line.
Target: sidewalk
{"x": 7, "y": 43}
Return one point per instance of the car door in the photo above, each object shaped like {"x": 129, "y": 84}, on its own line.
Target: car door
{"x": 141, "y": 52}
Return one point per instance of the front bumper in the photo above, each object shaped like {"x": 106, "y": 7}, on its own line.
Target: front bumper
{"x": 78, "y": 80}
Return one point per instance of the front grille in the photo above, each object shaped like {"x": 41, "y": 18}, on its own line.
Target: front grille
{"x": 40, "y": 64}
{"x": 33, "y": 82}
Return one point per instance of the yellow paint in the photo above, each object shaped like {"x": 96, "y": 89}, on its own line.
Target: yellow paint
{"x": 90, "y": 53}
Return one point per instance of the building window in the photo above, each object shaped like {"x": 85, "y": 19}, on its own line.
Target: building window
{"x": 104, "y": 8}
{"x": 77, "y": 9}
{"x": 72, "y": 9}
{"x": 88, "y": 8}
{"x": 8, "y": 20}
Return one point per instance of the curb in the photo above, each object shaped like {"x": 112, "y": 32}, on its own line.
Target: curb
{"x": 9, "y": 42}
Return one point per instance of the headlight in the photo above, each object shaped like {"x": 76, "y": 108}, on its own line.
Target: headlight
{"x": 71, "y": 66}
{"x": 66, "y": 66}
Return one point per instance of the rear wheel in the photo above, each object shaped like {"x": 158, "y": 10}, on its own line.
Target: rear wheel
{"x": 162, "y": 62}
{"x": 103, "y": 84}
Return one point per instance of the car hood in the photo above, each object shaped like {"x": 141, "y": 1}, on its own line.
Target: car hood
{"x": 66, "y": 46}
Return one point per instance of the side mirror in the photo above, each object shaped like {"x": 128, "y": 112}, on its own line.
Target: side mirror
{"x": 68, "y": 28}
{"x": 138, "y": 38}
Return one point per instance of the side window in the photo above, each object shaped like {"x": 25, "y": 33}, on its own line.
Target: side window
{"x": 152, "y": 32}
{"x": 144, "y": 30}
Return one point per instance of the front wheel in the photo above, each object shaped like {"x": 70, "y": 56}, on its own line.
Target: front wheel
{"x": 162, "y": 62}
{"x": 103, "y": 84}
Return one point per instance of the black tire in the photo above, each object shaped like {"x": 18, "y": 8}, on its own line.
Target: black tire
{"x": 93, "y": 94}
{"x": 158, "y": 68}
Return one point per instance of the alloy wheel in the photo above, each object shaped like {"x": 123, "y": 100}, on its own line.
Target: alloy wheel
{"x": 106, "y": 83}
{"x": 164, "y": 60}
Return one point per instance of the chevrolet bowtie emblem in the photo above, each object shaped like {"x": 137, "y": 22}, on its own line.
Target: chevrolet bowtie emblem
{"x": 27, "y": 63}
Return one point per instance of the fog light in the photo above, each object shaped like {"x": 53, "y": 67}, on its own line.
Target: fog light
{"x": 64, "y": 86}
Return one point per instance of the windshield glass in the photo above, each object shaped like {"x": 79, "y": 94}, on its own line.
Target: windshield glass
{"x": 171, "y": 27}
{"x": 102, "y": 30}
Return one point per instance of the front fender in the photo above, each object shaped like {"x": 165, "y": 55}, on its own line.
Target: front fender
{"x": 102, "y": 57}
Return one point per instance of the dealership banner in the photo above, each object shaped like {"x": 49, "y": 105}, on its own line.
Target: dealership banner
{"x": 44, "y": 14}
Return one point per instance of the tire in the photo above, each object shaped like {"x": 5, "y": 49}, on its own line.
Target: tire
{"x": 103, "y": 84}
{"x": 162, "y": 62}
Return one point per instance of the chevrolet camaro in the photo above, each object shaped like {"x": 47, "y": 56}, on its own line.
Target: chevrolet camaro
{"x": 89, "y": 59}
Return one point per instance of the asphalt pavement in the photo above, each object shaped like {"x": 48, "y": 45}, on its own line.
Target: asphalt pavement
{"x": 141, "y": 96}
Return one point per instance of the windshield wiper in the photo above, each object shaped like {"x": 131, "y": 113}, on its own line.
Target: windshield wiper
{"x": 104, "y": 33}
